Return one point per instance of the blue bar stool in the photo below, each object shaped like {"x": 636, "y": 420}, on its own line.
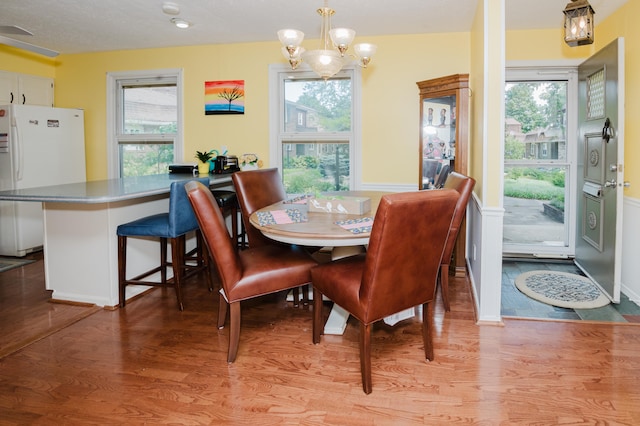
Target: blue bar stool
{"x": 172, "y": 226}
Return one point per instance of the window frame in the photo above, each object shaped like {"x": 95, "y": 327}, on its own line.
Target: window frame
{"x": 278, "y": 73}
{"x": 115, "y": 80}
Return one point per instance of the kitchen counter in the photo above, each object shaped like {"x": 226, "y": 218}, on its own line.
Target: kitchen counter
{"x": 80, "y": 242}
{"x": 106, "y": 191}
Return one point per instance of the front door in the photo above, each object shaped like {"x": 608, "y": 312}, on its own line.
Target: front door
{"x": 600, "y": 167}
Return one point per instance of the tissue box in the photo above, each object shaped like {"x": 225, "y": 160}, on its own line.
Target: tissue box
{"x": 339, "y": 204}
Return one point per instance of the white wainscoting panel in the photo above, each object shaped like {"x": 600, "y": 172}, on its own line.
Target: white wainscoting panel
{"x": 631, "y": 249}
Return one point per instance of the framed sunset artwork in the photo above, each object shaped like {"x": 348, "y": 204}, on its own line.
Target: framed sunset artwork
{"x": 224, "y": 97}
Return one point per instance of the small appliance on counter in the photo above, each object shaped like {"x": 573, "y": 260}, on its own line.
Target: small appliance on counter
{"x": 190, "y": 168}
{"x": 226, "y": 164}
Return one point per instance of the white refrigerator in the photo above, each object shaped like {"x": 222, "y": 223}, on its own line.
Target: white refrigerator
{"x": 39, "y": 146}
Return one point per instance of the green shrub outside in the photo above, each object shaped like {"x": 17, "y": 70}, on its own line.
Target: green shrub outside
{"x": 531, "y": 189}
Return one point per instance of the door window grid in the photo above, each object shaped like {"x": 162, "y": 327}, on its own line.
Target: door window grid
{"x": 596, "y": 95}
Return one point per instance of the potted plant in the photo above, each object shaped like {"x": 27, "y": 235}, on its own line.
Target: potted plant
{"x": 204, "y": 157}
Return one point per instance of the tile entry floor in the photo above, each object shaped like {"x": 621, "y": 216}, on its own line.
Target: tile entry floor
{"x": 517, "y": 304}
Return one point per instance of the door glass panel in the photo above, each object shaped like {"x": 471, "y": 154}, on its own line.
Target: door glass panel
{"x": 438, "y": 138}
{"x": 534, "y": 206}
{"x": 536, "y": 179}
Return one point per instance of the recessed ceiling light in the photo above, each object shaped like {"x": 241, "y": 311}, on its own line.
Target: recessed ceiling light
{"x": 180, "y": 23}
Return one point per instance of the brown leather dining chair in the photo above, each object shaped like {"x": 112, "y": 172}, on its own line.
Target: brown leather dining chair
{"x": 399, "y": 270}
{"x": 464, "y": 185}
{"x": 248, "y": 273}
{"x": 256, "y": 189}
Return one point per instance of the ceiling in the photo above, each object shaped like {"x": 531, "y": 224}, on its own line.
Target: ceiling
{"x": 79, "y": 26}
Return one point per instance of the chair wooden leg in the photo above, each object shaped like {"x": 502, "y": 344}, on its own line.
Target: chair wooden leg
{"x": 234, "y": 227}
{"x": 122, "y": 269}
{"x": 365, "y": 356}
{"x": 318, "y": 328}
{"x": 296, "y": 297}
{"x": 443, "y": 277}
{"x": 305, "y": 294}
{"x": 222, "y": 311}
{"x": 177, "y": 262}
{"x": 163, "y": 260}
{"x": 426, "y": 330}
{"x": 208, "y": 266}
{"x": 234, "y": 331}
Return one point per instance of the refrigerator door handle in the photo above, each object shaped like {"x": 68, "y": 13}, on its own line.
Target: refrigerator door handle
{"x": 18, "y": 158}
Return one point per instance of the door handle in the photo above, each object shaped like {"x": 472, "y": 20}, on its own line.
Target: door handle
{"x": 610, "y": 183}
{"x": 607, "y": 130}
{"x": 626, "y": 184}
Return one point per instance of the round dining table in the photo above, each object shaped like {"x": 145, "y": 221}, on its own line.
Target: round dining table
{"x": 317, "y": 229}
{"x": 320, "y": 229}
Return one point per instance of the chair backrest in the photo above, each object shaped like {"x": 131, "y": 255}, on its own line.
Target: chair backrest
{"x": 257, "y": 189}
{"x": 405, "y": 249}
{"x": 442, "y": 176}
{"x": 215, "y": 233}
{"x": 430, "y": 168}
{"x": 464, "y": 185}
{"x": 181, "y": 217}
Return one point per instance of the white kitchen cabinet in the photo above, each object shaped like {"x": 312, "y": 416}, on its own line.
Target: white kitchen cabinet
{"x": 25, "y": 89}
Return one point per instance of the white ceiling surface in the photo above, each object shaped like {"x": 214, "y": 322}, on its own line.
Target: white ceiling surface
{"x": 78, "y": 26}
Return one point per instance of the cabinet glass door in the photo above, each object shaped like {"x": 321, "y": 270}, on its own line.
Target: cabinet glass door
{"x": 438, "y": 144}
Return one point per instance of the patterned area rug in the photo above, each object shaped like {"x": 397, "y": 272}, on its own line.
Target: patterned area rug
{"x": 7, "y": 263}
{"x": 561, "y": 289}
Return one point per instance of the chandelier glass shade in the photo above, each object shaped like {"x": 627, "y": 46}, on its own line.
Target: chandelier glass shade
{"x": 334, "y": 44}
{"x": 578, "y": 23}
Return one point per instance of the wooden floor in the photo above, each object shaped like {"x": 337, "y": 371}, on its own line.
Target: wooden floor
{"x": 151, "y": 364}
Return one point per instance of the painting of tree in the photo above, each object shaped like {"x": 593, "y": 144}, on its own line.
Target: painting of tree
{"x": 224, "y": 97}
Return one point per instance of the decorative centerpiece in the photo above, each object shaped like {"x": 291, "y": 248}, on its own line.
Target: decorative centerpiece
{"x": 204, "y": 159}
{"x": 250, "y": 162}
{"x": 339, "y": 204}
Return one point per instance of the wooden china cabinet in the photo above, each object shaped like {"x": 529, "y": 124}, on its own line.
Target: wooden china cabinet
{"x": 444, "y": 140}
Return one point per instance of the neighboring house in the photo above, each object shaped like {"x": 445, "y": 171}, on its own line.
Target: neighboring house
{"x": 541, "y": 144}
{"x": 304, "y": 119}
{"x": 300, "y": 118}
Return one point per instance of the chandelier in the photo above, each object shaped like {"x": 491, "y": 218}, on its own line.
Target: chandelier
{"x": 334, "y": 43}
{"x": 578, "y": 23}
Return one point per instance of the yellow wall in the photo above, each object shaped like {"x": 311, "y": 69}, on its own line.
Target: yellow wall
{"x": 538, "y": 45}
{"x": 390, "y": 113}
{"x": 476, "y": 83}
{"x": 622, "y": 24}
{"x": 18, "y": 60}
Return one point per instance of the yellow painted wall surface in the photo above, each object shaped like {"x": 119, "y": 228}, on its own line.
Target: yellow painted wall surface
{"x": 623, "y": 24}
{"x": 477, "y": 110}
{"x": 536, "y": 45}
{"x": 390, "y": 113}
{"x": 494, "y": 111}
{"x": 21, "y": 61}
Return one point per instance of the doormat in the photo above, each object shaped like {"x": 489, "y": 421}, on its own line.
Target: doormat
{"x": 7, "y": 263}
{"x": 561, "y": 289}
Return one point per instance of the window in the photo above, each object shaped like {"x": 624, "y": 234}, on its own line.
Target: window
{"x": 314, "y": 135}
{"x": 145, "y": 123}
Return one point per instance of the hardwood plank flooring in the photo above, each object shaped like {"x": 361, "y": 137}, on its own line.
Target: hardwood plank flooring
{"x": 152, "y": 364}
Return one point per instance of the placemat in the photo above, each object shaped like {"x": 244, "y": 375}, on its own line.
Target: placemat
{"x": 356, "y": 226}
{"x": 278, "y": 217}
{"x": 300, "y": 199}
